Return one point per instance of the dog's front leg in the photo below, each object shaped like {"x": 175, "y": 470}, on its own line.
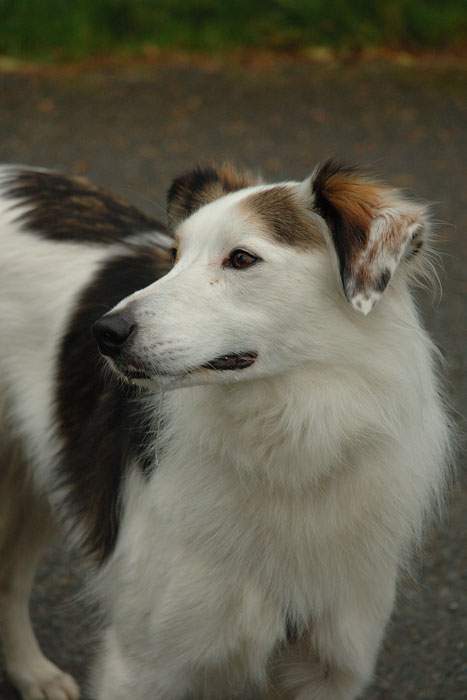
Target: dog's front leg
{"x": 119, "y": 675}
{"x": 26, "y": 527}
{"x": 336, "y": 661}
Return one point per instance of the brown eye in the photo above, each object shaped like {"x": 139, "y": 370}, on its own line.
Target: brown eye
{"x": 240, "y": 259}
{"x": 173, "y": 255}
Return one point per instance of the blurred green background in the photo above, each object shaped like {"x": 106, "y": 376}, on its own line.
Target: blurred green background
{"x": 68, "y": 29}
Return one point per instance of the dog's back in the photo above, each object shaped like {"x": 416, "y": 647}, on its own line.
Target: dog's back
{"x": 58, "y": 235}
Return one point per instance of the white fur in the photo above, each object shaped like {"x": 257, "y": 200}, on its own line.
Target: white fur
{"x": 296, "y": 486}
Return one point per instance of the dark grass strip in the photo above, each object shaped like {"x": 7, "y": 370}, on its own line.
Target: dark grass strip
{"x": 78, "y": 28}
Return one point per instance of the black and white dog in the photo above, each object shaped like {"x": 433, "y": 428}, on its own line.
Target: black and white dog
{"x": 246, "y": 447}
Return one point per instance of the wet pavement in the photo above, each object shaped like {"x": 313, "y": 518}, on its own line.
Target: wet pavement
{"x": 133, "y": 128}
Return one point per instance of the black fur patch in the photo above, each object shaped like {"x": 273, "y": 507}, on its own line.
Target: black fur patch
{"x": 101, "y": 420}
{"x": 186, "y": 188}
{"x": 346, "y": 235}
{"x": 200, "y": 186}
{"x": 65, "y": 208}
{"x": 383, "y": 281}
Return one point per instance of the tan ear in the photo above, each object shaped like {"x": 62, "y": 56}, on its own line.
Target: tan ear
{"x": 372, "y": 229}
{"x": 200, "y": 186}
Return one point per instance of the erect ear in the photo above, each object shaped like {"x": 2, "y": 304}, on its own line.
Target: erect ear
{"x": 372, "y": 229}
{"x": 200, "y": 186}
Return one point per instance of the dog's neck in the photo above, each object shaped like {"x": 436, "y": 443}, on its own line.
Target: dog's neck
{"x": 292, "y": 428}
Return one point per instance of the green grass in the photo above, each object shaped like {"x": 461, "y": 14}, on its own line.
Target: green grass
{"x": 77, "y": 28}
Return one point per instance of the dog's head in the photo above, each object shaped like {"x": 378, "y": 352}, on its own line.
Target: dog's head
{"x": 268, "y": 277}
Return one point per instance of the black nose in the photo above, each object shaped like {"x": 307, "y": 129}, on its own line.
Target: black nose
{"x": 111, "y": 332}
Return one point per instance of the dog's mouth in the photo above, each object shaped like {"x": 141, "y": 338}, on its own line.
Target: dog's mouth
{"x": 135, "y": 373}
{"x": 233, "y": 361}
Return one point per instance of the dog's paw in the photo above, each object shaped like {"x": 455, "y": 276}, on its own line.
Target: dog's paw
{"x": 44, "y": 681}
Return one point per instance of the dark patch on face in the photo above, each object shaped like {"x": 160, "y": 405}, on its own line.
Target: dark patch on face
{"x": 72, "y": 209}
{"x": 200, "y": 186}
{"x": 284, "y": 216}
{"x": 102, "y": 421}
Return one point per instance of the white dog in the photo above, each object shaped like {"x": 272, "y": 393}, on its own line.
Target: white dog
{"x": 254, "y": 450}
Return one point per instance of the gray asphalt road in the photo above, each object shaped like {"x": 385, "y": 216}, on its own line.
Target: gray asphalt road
{"x": 133, "y": 129}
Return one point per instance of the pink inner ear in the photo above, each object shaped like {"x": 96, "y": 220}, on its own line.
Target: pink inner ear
{"x": 390, "y": 237}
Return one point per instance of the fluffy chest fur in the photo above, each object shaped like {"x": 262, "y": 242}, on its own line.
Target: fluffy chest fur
{"x": 264, "y": 499}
